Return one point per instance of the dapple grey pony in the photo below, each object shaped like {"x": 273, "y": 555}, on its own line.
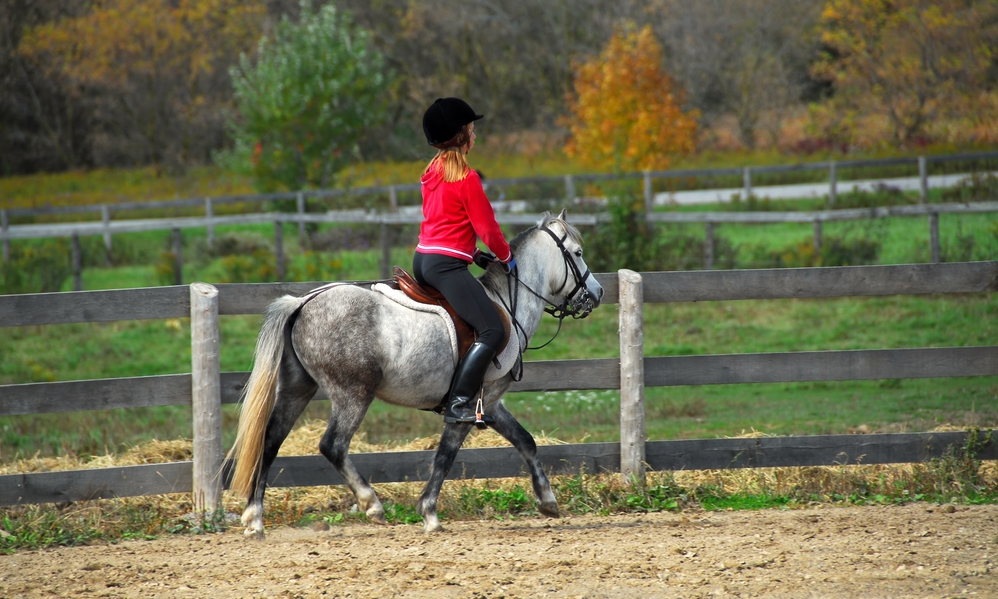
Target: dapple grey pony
{"x": 358, "y": 345}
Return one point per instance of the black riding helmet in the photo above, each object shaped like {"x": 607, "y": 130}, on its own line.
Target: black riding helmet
{"x": 444, "y": 119}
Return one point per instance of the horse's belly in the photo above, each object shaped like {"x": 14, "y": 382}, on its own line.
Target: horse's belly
{"x": 419, "y": 361}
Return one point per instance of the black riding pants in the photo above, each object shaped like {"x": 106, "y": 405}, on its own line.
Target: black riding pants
{"x": 451, "y": 277}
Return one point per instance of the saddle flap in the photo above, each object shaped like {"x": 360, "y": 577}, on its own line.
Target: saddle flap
{"x": 428, "y": 295}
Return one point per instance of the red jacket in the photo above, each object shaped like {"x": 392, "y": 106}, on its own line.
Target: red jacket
{"x": 456, "y": 215}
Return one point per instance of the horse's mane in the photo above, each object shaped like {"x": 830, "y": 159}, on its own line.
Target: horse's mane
{"x": 517, "y": 242}
{"x": 547, "y": 219}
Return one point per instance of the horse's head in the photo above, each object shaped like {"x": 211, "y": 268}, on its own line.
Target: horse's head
{"x": 573, "y": 287}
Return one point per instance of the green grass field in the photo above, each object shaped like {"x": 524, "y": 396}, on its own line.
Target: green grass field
{"x": 137, "y": 348}
{"x": 83, "y": 351}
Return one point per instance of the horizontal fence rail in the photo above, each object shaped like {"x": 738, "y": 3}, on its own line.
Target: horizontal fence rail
{"x": 551, "y": 375}
{"x": 504, "y": 462}
{"x": 362, "y": 217}
{"x": 675, "y": 286}
{"x": 569, "y": 180}
{"x": 176, "y": 389}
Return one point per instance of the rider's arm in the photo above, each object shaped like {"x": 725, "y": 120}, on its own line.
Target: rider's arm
{"x": 483, "y": 218}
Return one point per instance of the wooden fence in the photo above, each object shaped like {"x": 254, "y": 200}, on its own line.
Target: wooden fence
{"x": 207, "y": 389}
{"x": 107, "y": 228}
{"x": 385, "y": 220}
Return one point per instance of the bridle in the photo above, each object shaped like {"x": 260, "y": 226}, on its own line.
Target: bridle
{"x": 577, "y": 308}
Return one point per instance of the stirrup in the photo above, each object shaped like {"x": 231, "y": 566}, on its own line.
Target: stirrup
{"x": 480, "y": 418}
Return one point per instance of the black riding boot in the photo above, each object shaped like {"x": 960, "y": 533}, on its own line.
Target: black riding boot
{"x": 467, "y": 381}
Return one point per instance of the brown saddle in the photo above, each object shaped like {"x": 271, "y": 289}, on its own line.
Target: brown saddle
{"x": 428, "y": 295}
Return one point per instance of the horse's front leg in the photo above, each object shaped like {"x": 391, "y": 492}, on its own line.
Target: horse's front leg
{"x": 507, "y": 426}
{"x": 450, "y": 442}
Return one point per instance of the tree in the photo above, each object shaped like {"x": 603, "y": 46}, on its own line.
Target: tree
{"x": 626, "y": 114}
{"x": 747, "y": 58}
{"x": 909, "y": 60}
{"x": 313, "y": 91}
{"x": 153, "y": 69}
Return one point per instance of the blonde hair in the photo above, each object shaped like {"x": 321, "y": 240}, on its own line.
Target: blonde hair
{"x": 451, "y": 158}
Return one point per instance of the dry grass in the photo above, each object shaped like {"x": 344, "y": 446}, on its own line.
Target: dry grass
{"x": 603, "y": 492}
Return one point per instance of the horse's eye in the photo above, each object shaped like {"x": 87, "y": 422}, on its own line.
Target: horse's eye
{"x": 578, "y": 253}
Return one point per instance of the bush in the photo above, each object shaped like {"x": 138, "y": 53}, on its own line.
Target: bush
{"x": 835, "y": 251}
{"x": 627, "y": 240}
{"x": 38, "y": 268}
{"x": 980, "y": 187}
{"x": 882, "y": 195}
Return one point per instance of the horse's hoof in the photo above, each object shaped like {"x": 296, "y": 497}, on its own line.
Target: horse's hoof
{"x": 549, "y": 509}
{"x": 253, "y": 533}
{"x": 376, "y": 516}
{"x": 432, "y": 524}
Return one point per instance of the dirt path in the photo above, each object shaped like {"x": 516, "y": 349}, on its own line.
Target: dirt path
{"x": 916, "y": 550}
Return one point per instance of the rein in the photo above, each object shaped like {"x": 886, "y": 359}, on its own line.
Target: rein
{"x": 561, "y": 312}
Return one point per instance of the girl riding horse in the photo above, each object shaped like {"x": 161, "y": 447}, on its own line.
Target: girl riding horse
{"x": 456, "y": 214}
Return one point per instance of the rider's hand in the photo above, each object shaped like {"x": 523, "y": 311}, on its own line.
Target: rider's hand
{"x": 483, "y": 259}
{"x": 508, "y": 267}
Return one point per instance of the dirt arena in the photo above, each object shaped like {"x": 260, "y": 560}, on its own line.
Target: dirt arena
{"x": 917, "y": 550}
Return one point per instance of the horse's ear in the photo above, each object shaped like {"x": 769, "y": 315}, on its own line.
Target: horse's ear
{"x": 562, "y": 216}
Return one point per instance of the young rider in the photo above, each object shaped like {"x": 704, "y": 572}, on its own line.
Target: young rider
{"x": 456, "y": 214}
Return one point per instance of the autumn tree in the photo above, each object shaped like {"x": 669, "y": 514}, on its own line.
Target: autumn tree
{"x": 908, "y": 60}
{"x": 745, "y": 58}
{"x": 314, "y": 89}
{"x": 155, "y": 68}
{"x": 626, "y": 113}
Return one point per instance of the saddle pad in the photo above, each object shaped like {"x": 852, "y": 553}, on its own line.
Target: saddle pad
{"x": 506, "y": 358}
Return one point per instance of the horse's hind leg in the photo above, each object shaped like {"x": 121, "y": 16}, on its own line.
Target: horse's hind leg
{"x": 295, "y": 388}
{"x": 507, "y": 426}
{"x": 450, "y": 442}
{"x": 349, "y": 408}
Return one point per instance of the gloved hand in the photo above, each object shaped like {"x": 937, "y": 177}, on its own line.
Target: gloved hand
{"x": 508, "y": 267}
{"x": 483, "y": 259}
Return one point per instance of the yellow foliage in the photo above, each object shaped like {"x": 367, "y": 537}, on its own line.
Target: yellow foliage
{"x": 626, "y": 112}
{"x": 119, "y": 39}
{"x": 909, "y": 60}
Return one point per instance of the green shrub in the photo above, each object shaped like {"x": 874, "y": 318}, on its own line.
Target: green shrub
{"x": 37, "y": 268}
{"x": 980, "y": 187}
{"x": 628, "y": 240}
{"x": 835, "y": 251}
{"x": 255, "y": 267}
{"x": 882, "y": 195}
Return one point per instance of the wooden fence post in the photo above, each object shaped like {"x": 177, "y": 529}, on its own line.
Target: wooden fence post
{"x": 934, "y": 237}
{"x": 833, "y": 183}
{"x": 302, "y": 233}
{"x": 279, "y": 249}
{"x": 923, "y": 181}
{"x": 105, "y": 215}
{"x": 649, "y": 195}
{"x": 632, "y": 378}
{"x": 4, "y": 226}
{"x": 569, "y": 189}
{"x": 206, "y": 395}
{"x": 393, "y": 198}
{"x": 77, "y": 260}
{"x": 708, "y": 246}
{"x": 178, "y": 257}
{"x": 209, "y": 213}
{"x": 386, "y": 248}
{"x": 747, "y": 181}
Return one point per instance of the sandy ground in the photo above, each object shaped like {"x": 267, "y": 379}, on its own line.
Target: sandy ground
{"x": 917, "y": 550}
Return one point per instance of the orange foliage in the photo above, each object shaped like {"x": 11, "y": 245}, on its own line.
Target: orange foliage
{"x": 911, "y": 61}
{"x": 626, "y": 113}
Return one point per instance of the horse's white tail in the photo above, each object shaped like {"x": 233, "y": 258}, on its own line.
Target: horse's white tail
{"x": 259, "y": 395}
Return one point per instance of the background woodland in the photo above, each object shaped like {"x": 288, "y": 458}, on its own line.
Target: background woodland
{"x": 124, "y": 83}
